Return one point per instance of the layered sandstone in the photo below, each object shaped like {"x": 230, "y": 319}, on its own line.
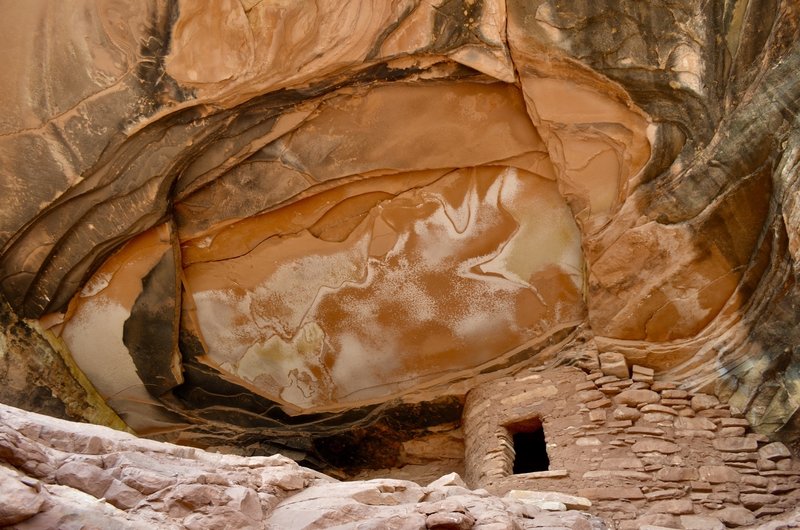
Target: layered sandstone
{"x": 312, "y": 228}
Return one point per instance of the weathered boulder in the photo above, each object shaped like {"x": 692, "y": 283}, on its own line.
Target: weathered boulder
{"x": 208, "y": 490}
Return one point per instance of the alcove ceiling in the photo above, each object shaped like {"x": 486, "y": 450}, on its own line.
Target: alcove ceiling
{"x": 271, "y": 223}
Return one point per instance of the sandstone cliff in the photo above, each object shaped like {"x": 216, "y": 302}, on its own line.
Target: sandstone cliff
{"x": 313, "y": 227}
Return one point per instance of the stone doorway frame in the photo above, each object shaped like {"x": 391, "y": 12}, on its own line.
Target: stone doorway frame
{"x": 529, "y": 425}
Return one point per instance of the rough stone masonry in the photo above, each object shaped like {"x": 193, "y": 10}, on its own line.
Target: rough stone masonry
{"x": 335, "y": 229}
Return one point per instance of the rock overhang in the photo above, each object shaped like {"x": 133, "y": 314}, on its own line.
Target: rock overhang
{"x": 454, "y": 191}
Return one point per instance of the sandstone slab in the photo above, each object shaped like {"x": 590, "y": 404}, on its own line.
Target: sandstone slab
{"x": 703, "y": 402}
{"x": 610, "y": 493}
{"x": 701, "y": 522}
{"x": 677, "y": 474}
{"x": 719, "y": 474}
{"x": 636, "y": 398}
{"x": 735, "y": 444}
{"x": 655, "y": 446}
{"x": 774, "y": 451}
{"x": 572, "y": 502}
{"x": 674, "y": 507}
{"x": 735, "y": 516}
{"x": 614, "y": 363}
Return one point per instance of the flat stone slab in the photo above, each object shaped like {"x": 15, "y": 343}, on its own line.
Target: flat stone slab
{"x": 674, "y": 393}
{"x": 626, "y": 413}
{"x": 612, "y": 493}
{"x": 572, "y": 502}
{"x": 658, "y": 386}
{"x": 636, "y": 397}
{"x": 655, "y": 446}
{"x": 701, "y": 522}
{"x": 754, "y": 501}
{"x": 622, "y": 473}
{"x": 659, "y": 408}
{"x": 704, "y": 401}
{"x": 677, "y": 474}
{"x": 735, "y": 445}
{"x": 552, "y": 473}
{"x": 672, "y": 506}
{"x": 774, "y": 451}
{"x": 719, "y": 474}
{"x": 736, "y": 516}
{"x": 623, "y": 463}
{"x": 694, "y": 433}
{"x": 734, "y": 422}
{"x": 585, "y": 396}
{"x": 732, "y": 431}
{"x": 650, "y": 431}
{"x": 599, "y": 403}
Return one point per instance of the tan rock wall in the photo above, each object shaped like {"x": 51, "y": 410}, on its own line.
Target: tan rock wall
{"x": 642, "y": 450}
{"x": 364, "y": 206}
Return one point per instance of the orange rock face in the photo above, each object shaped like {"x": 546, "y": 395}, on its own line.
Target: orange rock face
{"x": 413, "y": 271}
{"x": 389, "y": 295}
{"x": 285, "y": 221}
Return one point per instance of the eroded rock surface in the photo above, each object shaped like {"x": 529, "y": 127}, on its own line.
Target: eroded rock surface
{"x": 56, "y": 473}
{"x": 313, "y": 227}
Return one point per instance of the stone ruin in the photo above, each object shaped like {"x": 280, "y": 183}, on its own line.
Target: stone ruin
{"x": 644, "y": 452}
{"x": 617, "y": 442}
{"x": 563, "y": 448}
{"x": 552, "y": 247}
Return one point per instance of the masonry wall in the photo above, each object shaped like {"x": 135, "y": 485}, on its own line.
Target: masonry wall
{"x": 643, "y": 451}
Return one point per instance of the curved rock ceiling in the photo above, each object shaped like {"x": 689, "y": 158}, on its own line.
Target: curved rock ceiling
{"x": 260, "y": 222}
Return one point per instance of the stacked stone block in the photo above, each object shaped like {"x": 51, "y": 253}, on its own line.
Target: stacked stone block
{"x": 644, "y": 451}
{"x": 698, "y": 464}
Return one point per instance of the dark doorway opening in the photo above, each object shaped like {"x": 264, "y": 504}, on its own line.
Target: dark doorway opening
{"x": 530, "y": 447}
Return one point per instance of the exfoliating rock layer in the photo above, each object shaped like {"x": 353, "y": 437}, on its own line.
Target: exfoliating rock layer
{"x": 313, "y": 227}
